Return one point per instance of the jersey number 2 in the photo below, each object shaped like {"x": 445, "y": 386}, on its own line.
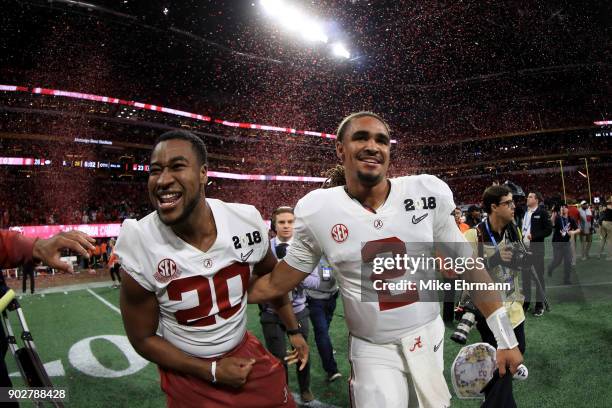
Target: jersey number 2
{"x": 200, "y": 314}
{"x": 386, "y": 300}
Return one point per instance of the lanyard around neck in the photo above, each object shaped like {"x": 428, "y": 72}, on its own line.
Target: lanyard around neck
{"x": 491, "y": 235}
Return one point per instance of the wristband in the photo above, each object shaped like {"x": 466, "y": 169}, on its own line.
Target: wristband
{"x": 213, "y": 371}
{"x": 293, "y": 332}
{"x": 499, "y": 323}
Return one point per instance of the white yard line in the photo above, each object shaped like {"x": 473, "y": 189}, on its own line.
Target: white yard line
{"x": 106, "y": 302}
{"x": 69, "y": 288}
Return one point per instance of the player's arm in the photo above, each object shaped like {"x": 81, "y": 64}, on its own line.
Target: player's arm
{"x": 275, "y": 284}
{"x": 304, "y": 253}
{"x": 140, "y": 313}
{"x": 490, "y": 305}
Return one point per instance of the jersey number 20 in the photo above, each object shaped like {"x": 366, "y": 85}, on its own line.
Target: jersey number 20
{"x": 200, "y": 314}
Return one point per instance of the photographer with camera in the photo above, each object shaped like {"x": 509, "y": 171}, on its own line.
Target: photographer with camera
{"x": 498, "y": 241}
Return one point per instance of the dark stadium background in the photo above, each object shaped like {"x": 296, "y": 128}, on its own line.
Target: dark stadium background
{"x": 475, "y": 92}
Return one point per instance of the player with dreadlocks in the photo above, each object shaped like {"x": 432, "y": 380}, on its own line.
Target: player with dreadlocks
{"x": 395, "y": 345}
{"x": 334, "y": 177}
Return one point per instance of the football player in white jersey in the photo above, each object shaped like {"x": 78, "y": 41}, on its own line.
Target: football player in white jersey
{"x": 395, "y": 345}
{"x": 186, "y": 268}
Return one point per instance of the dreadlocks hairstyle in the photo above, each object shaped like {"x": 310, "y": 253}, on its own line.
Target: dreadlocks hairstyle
{"x": 334, "y": 177}
{"x": 347, "y": 121}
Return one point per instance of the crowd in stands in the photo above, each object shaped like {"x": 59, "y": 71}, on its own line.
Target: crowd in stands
{"x": 49, "y": 198}
{"x": 71, "y": 197}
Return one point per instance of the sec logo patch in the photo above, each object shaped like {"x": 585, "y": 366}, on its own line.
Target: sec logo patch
{"x": 167, "y": 270}
{"x": 339, "y": 233}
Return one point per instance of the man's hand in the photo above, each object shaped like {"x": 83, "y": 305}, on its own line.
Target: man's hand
{"x": 505, "y": 254}
{"x": 233, "y": 371}
{"x": 299, "y": 352}
{"x": 511, "y": 359}
{"x": 49, "y": 250}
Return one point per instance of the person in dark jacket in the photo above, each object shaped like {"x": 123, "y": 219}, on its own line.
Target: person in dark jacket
{"x": 536, "y": 226}
{"x": 564, "y": 228}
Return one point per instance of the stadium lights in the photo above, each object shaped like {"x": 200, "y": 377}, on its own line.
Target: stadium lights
{"x": 339, "y": 50}
{"x": 293, "y": 19}
{"x": 272, "y": 7}
{"x": 313, "y": 32}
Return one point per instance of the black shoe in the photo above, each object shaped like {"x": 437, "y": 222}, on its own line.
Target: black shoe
{"x": 538, "y": 313}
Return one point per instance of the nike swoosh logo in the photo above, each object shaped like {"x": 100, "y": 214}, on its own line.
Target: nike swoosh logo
{"x": 437, "y": 346}
{"x": 416, "y": 220}
{"x": 244, "y": 257}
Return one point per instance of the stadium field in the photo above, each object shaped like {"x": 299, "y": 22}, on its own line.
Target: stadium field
{"x": 80, "y": 337}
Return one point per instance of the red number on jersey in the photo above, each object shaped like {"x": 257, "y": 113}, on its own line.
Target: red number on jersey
{"x": 200, "y": 314}
{"x": 371, "y": 250}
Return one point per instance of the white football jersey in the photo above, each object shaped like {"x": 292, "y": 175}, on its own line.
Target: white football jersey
{"x": 330, "y": 222}
{"x": 202, "y": 295}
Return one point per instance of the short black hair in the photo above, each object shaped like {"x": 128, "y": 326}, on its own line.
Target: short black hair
{"x": 538, "y": 195}
{"x": 473, "y": 208}
{"x": 196, "y": 143}
{"x": 347, "y": 121}
{"x": 492, "y": 195}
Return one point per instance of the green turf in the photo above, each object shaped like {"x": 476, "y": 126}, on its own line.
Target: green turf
{"x": 567, "y": 350}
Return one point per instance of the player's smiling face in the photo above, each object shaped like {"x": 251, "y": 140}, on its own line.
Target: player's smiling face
{"x": 176, "y": 180}
{"x": 364, "y": 150}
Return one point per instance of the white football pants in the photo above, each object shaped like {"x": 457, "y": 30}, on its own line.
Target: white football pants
{"x": 408, "y": 373}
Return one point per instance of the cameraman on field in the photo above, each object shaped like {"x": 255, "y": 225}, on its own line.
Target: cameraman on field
{"x": 498, "y": 241}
